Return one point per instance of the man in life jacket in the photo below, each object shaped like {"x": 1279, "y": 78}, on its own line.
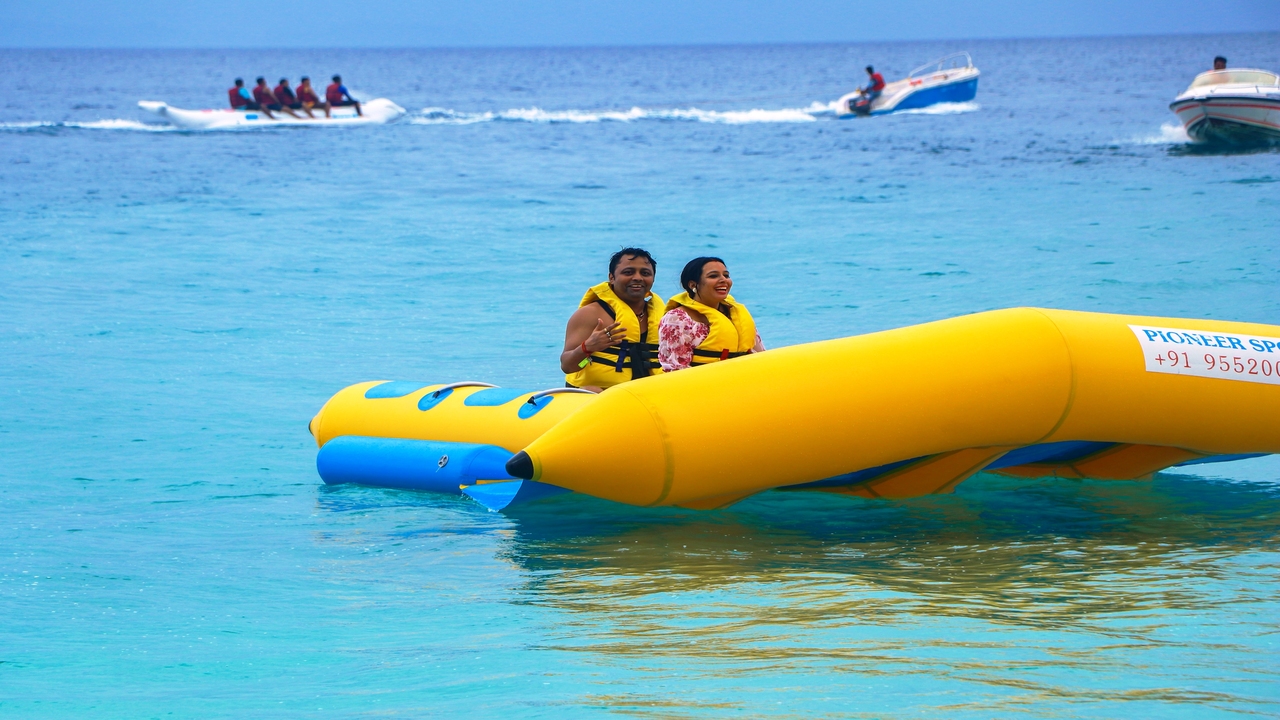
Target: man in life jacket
{"x": 869, "y": 93}
{"x": 266, "y": 101}
{"x": 240, "y": 97}
{"x": 307, "y": 96}
{"x": 285, "y": 97}
{"x": 337, "y": 96}
{"x": 613, "y": 335}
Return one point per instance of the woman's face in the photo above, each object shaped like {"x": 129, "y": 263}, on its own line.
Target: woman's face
{"x": 715, "y": 284}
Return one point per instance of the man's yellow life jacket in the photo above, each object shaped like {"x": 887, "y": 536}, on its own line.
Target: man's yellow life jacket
{"x": 729, "y": 337}
{"x": 636, "y": 355}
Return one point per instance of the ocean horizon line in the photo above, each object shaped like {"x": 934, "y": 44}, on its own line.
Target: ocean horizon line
{"x": 627, "y": 46}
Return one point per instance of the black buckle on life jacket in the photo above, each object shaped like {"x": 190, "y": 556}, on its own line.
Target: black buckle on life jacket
{"x": 626, "y": 363}
{"x": 703, "y": 357}
{"x": 622, "y": 355}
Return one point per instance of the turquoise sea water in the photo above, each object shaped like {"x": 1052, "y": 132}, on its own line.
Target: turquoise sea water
{"x": 175, "y": 306}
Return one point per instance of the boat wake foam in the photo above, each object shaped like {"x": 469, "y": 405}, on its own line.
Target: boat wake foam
{"x": 812, "y": 113}
{"x": 109, "y": 124}
{"x": 950, "y": 108}
{"x": 444, "y": 116}
{"x": 1170, "y": 134}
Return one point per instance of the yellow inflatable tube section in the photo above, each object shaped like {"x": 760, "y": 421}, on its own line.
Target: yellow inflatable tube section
{"x": 462, "y": 412}
{"x": 918, "y": 409}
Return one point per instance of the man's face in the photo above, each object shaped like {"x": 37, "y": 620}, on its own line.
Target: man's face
{"x": 632, "y": 279}
{"x": 1219, "y": 65}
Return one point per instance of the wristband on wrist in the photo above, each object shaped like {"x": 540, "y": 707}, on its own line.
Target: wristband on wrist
{"x": 585, "y": 351}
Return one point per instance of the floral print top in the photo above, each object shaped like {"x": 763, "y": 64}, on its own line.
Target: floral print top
{"x": 678, "y": 335}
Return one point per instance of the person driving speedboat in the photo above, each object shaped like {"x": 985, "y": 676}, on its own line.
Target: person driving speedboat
{"x": 868, "y": 94}
{"x": 875, "y": 87}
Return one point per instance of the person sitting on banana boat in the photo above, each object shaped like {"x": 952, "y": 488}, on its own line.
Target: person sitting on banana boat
{"x": 241, "y": 99}
{"x": 285, "y": 95}
{"x": 337, "y": 95}
{"x": 307, "y": 96}
{"x": 263, "y": 96}
{"x": 610, "y": 337}
{"x": 704, "y": 324}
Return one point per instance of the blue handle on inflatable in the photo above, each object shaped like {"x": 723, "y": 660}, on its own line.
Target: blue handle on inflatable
{"x": 409, "y": 464}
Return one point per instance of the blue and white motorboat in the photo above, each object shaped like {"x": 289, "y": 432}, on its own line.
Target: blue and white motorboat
{"x": 950, "y": 79}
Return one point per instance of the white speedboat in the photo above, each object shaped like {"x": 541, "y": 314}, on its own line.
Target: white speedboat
{"x": 950, "y": 79}
{"x": 376, "y": 112}
{"x": 1233, "y": 106}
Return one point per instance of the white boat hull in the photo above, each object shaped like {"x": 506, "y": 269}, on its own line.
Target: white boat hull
{"x": 376, "y": 112}
{"x": 1236, "y": 105}
{"x": 1230, "y": 118}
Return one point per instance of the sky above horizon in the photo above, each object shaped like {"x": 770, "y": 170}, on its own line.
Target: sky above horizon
{"x": 504, "y": 23}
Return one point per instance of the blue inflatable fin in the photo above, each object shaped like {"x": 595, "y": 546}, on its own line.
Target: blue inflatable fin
{"x": 1220, "y": 458}
{"x": 501, "y": 495}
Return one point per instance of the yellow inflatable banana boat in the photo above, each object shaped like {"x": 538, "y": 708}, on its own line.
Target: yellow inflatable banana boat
{"x": 917, "y": 410}
{"x": 892, "y": 414}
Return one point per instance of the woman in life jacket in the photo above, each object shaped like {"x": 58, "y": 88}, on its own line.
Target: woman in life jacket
{"x": 611, "y": 338}
{"x": 704, "y": 324}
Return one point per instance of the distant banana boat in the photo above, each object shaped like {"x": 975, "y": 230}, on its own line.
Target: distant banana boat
{"x": 376, "y": 112}
{"x": 900, "y": 413}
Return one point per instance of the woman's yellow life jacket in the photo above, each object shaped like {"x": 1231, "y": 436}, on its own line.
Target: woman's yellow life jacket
{"x": 638, "y": 348}
{"x": 729, "y": 337}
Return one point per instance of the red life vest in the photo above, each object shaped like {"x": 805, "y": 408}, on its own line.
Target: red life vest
{"x": 877, "y": 82}
{"x": 284, "y": 95}
{"x": 263, "y": 96}
{"x": 333, "y": 94}
{"x": 237, "y": 100}
{"x": 305, "y": 94}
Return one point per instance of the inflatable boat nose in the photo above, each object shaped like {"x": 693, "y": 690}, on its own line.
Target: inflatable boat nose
{"x": 520, "y": 466}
